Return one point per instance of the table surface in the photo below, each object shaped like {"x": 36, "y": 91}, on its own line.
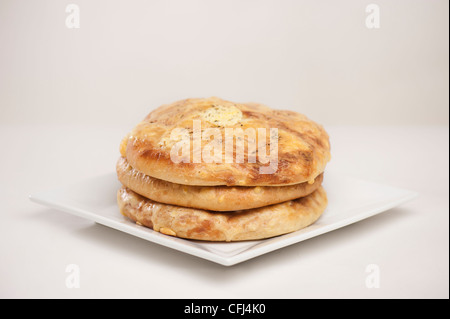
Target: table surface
{"x": 409, "y": 245}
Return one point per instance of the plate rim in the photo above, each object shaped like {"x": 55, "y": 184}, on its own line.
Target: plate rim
{"x": 248, "y": 253}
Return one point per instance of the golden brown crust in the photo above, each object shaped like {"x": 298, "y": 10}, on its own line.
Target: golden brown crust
{"x": 198, "y": 224}
{"x": 216, "y": 198}
{"x": 303, "y": 145}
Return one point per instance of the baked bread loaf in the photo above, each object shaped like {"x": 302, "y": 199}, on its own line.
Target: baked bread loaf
{"x": 210, "y": 169}
{"x": 303, "y": 145}
{"x": 215, "y": 198}
{"x": 251, "y": 224}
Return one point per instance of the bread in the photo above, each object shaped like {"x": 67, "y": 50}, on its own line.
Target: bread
{"x": 252, "y": 224}
{"x": 210, "y": 169}
{"x": 216, "y": 198}
{"x": 303, "y": 148}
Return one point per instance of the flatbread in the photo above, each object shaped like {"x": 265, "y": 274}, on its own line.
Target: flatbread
{"x": 258, "y": 223}
{"x": 303, "y": 145}
{"x": 216, "y": 198}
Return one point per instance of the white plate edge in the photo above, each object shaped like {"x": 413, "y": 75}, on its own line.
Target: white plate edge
{"x": 250, "y": 253}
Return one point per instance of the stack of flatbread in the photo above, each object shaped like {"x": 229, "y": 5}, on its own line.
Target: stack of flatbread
{"x": 210, "y": 169}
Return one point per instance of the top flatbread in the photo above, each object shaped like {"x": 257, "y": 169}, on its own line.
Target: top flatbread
{"x": 303, "y": 145}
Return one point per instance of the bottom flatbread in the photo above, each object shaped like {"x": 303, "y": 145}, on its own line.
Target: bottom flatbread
{"x": 251, "y": 224}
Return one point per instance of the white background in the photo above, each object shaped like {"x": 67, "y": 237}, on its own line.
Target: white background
{"x": 67, "y": 97}
{"x": 315, "y": 57}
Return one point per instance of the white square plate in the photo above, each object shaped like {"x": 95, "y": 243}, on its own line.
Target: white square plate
{"x": 350, "y": 200}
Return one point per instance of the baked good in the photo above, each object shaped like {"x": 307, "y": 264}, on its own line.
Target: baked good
{"x": 210, "y": 169}
{"x": 216, "y": 198}
{"x": 251, "y": 224}
{"x": 303, "y": 145}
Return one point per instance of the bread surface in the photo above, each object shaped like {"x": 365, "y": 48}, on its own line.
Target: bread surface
{"x": 216, "y": 198}
{"x": 303, "y": 147}
{"x": 252, "y": 224}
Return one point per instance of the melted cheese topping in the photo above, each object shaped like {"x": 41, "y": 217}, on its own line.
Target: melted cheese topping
{"x": 221, "y": 115}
